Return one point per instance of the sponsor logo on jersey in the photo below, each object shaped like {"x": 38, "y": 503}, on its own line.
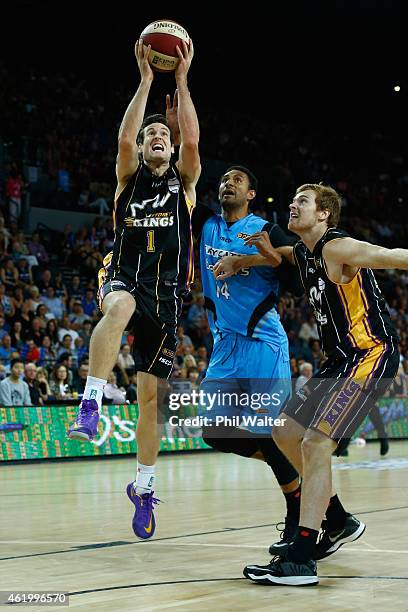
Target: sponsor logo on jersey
{"x": 153, "y": 221}
{"x": 173, "y": 184}
{"x": 168, "y": 353}
{"x": 166, "y": 362}
{"x": 210, "y": 250}
{"x": 157, "y": 202}
{"x": 224, "y": 239}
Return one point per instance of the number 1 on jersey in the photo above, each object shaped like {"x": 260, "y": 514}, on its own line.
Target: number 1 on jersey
{"x": 150, "y": 242}
{"x": 223, "y": 290}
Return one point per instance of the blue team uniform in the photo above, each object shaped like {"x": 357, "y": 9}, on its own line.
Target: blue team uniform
{"x": 250, "y": 353}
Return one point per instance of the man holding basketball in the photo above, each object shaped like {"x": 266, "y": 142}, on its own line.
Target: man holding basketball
{"x": 149, "y": 269}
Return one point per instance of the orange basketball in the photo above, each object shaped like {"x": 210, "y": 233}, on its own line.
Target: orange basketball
{"x": 164, "y": 36}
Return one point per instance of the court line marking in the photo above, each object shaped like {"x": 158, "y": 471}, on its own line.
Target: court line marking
{"x": 209, "y": 545}
{"x": 147, "y": 542}
{"x": 148, "y": 584}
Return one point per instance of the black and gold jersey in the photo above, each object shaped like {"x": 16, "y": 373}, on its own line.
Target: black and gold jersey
{"x": 153, "y": 238}
{"x": 349, "y": 316}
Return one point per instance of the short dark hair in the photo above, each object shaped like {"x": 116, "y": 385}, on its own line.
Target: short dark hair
{"x": 253, "y": 181}
{"x": 158, "y": 118}
{"x": 14, "y": 361}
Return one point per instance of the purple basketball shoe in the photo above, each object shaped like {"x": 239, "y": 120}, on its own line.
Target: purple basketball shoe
{"x": 143, "y": 522}
{"x": 86, "y": 423}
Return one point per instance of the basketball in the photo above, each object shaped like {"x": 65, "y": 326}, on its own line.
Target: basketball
{"x": 164, "y": 36}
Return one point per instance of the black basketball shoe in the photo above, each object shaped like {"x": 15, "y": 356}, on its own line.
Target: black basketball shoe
{"x": 281, "y": 571}
{"x": 286, "y": 537}
{"x": 330, "y": 541}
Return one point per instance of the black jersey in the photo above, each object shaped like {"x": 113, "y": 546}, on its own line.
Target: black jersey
{"x": 153, "y": 238}
{"x": 349, "y": 316}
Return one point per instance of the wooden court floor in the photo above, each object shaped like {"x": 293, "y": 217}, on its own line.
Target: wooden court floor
{"x": 67, "y": 527}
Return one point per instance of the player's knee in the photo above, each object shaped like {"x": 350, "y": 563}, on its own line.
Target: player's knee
{"x": 119, "y": 308}
{"x": 316, "y": 444}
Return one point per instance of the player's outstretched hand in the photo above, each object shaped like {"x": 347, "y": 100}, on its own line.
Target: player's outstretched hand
{"x": 142, "y": 55}
{"x": 226, "y": 267}
{"x": 185, "y": 55}
{"x": 172, "y": 117}
{"x": 262, "y": 243}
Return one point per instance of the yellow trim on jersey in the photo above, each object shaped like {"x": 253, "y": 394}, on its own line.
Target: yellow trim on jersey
{"x": 158, "y": 351}
{"x": 356, "y": 312}
{"x": 157, "y": 283}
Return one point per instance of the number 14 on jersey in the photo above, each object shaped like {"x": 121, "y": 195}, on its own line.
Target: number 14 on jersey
{"x": 223, "y": 290}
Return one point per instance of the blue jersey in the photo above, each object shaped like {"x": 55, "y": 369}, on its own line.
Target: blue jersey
{"x": 244, "y": 303}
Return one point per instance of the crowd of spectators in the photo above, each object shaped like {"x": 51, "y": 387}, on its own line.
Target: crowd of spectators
{"x": 48, "y": 288}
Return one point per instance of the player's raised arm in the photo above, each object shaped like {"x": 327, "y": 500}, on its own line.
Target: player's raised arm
{"x": 359, "y": 254}
{"x": 189, "y": 158}
{"x": 128, "y": 158}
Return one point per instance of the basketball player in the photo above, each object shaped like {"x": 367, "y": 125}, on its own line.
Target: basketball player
{"x": 249, "y": 297}
{"x": 361, "y": 345}
{"x": 250, "y": 352}
{"x": 148, "y": 270}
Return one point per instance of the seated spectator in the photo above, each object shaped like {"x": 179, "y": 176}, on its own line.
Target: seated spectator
{"x": 25, "y": 316}
{"x": 3, "y": 330}
{"x": 80, "y": 377}
{"x": 45, "y": 281}
{"x": 13, "y": 390}
{"x": 66, "y": 328}
{"x": 196, "y": 314}
{"x": 44, "y": 387}
{"x": 30, "y": 351}
{"x": 182, "y": 338}
{"x": 77, "y": 316}
{"x": 75, "y": 290}
{"x": 6, "y": 350}
{"x": 51, "y": 330}
{"x": 306, "y": 372}
{"x": 18, "y": 300}
{"x": 59, "y": 385}
{"x": 44, "y": 315}
{"x": 308, "y": 330}
{"x": 79, "y": 351}
{"x": 34, "y": 299}
{"x": 53, "y": 303}
{"x": 86, "y": 332}
{"x": 112, "y": 394}
{"x": 65, "y": 346}
{"x": 30, "y": 377}
{"x": 89, "y": 303}
{"x": 37, "y": 330}
{"x": 61, "y": 290}
{"x": 24, "y": 273}
{"x": 5, "y": 303}
{"x": 125, "y": 363}
{"x": 37, "y": 249}
{"x": 47, "y": 356}
{"x": 17, "y": 337}
{"x": 9, "y": 274}
{"x": 66, "y": 360}
{"x": 189, "y": 361}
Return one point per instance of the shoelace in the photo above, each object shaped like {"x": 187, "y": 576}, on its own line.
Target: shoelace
{"x": 283, "y": 527}
{"x": 146, "y": 507}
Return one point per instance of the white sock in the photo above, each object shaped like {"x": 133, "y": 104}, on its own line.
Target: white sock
{"x": 94, "y": 389}
{"x": 144, "y": 478}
